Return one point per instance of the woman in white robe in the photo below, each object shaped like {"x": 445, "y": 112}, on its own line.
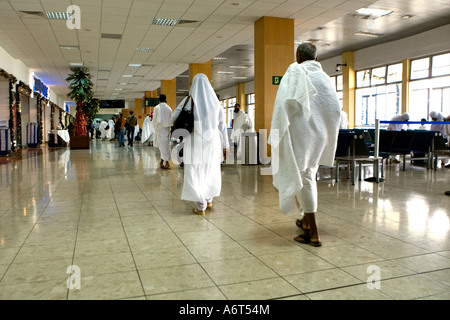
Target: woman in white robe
{"x": 103, "y": 131}
{"x": 110, "y": 134}
{"x": 148, "y": 131}
{"x": 203, "y": 148}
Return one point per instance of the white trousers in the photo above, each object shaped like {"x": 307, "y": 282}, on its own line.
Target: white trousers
{"x": 163, "y": 142}
{"x": 307, "y": 197}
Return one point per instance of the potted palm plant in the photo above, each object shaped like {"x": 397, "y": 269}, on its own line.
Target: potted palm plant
{"x": 81, "y": 91}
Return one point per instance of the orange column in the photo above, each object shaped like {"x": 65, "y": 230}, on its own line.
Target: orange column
{"x": 195, "y": 68}
{"x": 274, "y": 53}
{"x": 169, "y": 88}
{"x": 349, "y": 85}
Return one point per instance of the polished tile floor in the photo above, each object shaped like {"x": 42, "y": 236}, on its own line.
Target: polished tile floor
{"x": 118, "y": 218}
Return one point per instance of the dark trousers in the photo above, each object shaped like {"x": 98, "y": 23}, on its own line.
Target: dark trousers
{"x": 130, "y": 136}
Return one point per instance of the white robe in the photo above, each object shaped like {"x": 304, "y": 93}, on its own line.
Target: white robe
{"x": 103, "y": 130}
{"x": 439, "y": 127}
{"x": 162, "y": 121}
{"x": 147, "y": 130}
{"x": 344, "y": 120}
{"x": 304, "y": 130}
{"x": 110, "y": 133}
{"x": 202, "y": 153}
{"x": 241, "y": 124}
{"x": 396, "y": 126}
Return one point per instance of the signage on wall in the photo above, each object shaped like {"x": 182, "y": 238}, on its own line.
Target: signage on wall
{"x": 40, "y": 87}
{"x": 276, "y": 80}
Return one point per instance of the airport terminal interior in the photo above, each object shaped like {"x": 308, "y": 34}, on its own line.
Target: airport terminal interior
{"x": 87, "y": 219}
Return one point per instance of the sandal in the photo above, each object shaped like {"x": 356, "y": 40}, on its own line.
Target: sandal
{"x": 198, "y": 212}
{"x": 299, "y": 223}
{"x": 306, "y": 239}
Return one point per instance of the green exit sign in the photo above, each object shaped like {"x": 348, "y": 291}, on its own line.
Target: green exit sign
{"x": 276, "y": 80}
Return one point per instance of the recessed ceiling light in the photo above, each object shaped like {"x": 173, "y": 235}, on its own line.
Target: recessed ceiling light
{"x": 127, "y": 76}
{"x": 374, "y": 12}
{"x": 76, "y": 64}
{"x": 219, "y": 58}
{"x": 239, "y": 78}
{"x": 238, "y": 67}
{"x": 145, "y": 49}
{"x": 407, "y": 16}
{"x": 58, "y": 15}
{"x": 368, "y": 34}
{"x": 69, "y": 47}
{"x": 225, "y": 72}
{"x": 165, "y": 22}
{"x": 135, "y": 65}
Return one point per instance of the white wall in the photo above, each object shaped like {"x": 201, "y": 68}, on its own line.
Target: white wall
{"x": 422, "y": 44}
{"x": 19, "y": 70}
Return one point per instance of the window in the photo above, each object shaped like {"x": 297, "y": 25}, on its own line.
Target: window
{"x": 338, "y": 86}
{"x": 429, "y": 89}
{"x": 420, "y": 68}
{"x": 441, "y": 65}
{"x": 378, "y": 94}
{"x": 231, "y": 103}
{"x": 363, "y": 78}
{"x": 394, "y": 73}
{"x": 378, "y": 76}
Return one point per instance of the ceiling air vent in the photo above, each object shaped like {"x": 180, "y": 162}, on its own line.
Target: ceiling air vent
{"x": 111, "y": 36}
{"x": 188, "y": 23}
{"x": 38, "y": 14}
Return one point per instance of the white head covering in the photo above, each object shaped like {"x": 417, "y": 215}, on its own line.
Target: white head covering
{"x": 438, "y": 115}
{"x": 206, "y": 106}
{"x": 405, "y": 116}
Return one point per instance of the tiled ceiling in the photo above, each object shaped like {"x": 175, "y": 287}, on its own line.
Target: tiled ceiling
{"x": 117, "y": 33}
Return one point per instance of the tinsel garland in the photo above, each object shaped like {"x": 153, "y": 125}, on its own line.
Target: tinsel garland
{"x": 12, "y": 128}
{"x": 18, "y": 118}
{"x": 52, "y": 112}
{"x": 39, "y": 120}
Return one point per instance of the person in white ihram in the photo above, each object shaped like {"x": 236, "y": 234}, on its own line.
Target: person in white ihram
{"x": 162, "y": 115}
{"x": 443, "y": 129}
{"x": 344, "y": 120}
{"x": 241, "y": 124}
{"x": 398, "y": 127}
{"x": 204, "y": 147}
{"x": 304, "y": 132}
{"x": 148, "y": 131}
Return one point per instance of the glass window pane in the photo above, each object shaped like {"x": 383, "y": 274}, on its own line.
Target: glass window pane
{"x": 441, "y": 65}
{"x": 378, "y": 76}
{"x": 363, "y": 78}
{"x": 333, "y": 82}
{"x": 420, "y": 68}
{"x": 339, "y": 83}
{"x": 395, "y": 73}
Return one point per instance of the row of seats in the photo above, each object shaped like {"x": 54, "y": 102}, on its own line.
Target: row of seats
{"x": 356, "y": 147}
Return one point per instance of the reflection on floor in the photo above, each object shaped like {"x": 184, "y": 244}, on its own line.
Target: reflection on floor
{"x": 118, "y": 218}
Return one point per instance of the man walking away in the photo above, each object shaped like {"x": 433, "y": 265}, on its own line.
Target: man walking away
{"x": 131, "y": 124}
{"x": 162, "y": 121}
{"x": 304, "y": 132}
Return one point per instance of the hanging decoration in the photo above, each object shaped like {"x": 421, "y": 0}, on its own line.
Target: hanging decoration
{"x": 52, "y": 116}
{"x": 40, "y": 132}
